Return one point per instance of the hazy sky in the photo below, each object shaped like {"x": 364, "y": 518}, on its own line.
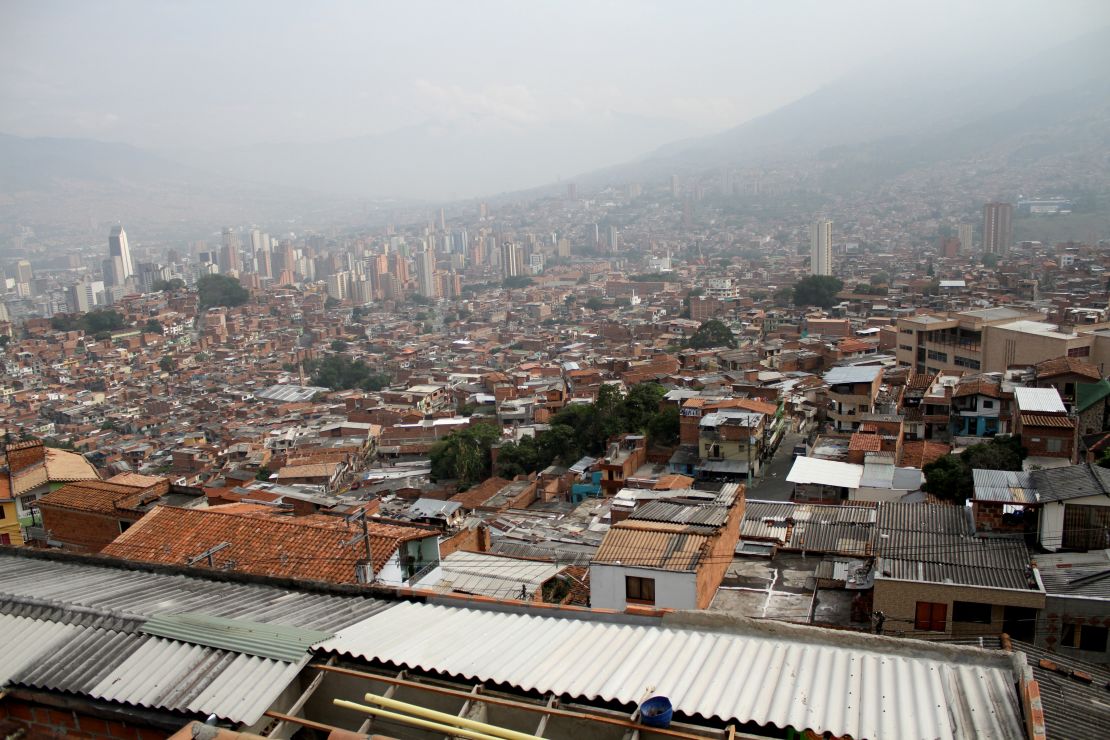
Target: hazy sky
{"x": 215, "y": 74}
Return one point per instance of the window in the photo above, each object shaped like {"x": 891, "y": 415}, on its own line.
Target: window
{"x": 966, "y": 362}
{"x": 931, "y": 617}
{"x": 988, "y": 404}
{"x": 3, "y": 512}
{"x": 5, "y": 539}
{"x": 938, "y": 356}
{"x": 123, "y": 525}
{"x": 639, "y": 590}
{"x": 1085, "y": 637}
{"x": 970, "y": 611}
{"x": 1054, "y": 445}
{"x": 905, "y": 347}
{"x": 1079, "y": 352}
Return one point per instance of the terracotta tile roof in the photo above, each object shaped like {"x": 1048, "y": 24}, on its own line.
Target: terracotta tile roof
{"x": 314, "y": 470}
{"x": 479, "y": 494}
{"x": 134, "y": 479}
{"x": 977, "y": 387}
{"x": 272, "y": 546}
{"x": 866, "y": 442}
{"x": 918, "y": 454}
{"x": 95, "y": 496}
{"x": 1044, "y": 420}
{"x": 1067, "y": 366}
{"x": 62, "y": 465}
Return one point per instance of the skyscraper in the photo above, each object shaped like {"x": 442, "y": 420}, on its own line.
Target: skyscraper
{"x": 512, "y": 257}
{"x": 964, "y": 235}
{"x": 998, "y": 230}
{"x": 614, "y": 239}
{"x": 426, "y": 273}
{"x": 229, "y": 254}
{"x": 820, "y": 245}
{"x": 117, "y": 247}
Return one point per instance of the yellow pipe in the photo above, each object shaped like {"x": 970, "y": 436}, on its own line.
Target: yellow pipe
{"x": 415, "y": 721}
{"x": 450, "y": 719}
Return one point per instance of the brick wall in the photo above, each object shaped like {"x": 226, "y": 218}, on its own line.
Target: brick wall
{"x": 898, "y": 601}
{"x": 83, "y": 531}
{"x": 989, "y": 518}
{"x": 470, "y": 540}
{"x": 44, "y": 723}
{"x": 711, "y": 573}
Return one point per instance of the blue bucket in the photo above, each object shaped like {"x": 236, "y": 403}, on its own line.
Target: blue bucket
{"x": 656, "y": 712}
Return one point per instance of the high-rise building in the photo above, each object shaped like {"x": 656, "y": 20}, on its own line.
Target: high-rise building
{"x": 23, "y": 272}
{"x": 117, "y": 247}
{"x": 512, "y": 257}
{"x": 674, "y": 186}
{"x": 572, "y": 191}
{"x": 820, "y": 245}
{"x": 614, "y": 239}
{"x": 229, "y": 253}
{"x": 964, "y": 235}
{"x": 426, "y": 274}
{"x": 337, "y": 285}
{"x": 998, "y": 229}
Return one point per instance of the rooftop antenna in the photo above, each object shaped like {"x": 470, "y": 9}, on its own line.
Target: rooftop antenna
{"x": 208, "y": 554}
{"x": 364, "y": 537}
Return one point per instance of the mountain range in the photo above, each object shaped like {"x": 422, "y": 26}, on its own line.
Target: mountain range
{"x": 878, "y": 123}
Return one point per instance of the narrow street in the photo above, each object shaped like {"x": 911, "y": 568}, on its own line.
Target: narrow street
{"x": 772, "y": 485}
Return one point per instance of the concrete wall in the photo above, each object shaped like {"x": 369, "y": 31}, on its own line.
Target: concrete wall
{"x": 1060, "y": 611}
{"x": 1051, "y": 533}
{"x": 673, "y": 590}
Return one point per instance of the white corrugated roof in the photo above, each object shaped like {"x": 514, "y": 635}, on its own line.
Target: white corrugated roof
{"x": 852, "y": 374}
{"x": 825, "y": 472}
{"x": 709, "y": 666}
{"x": 1043, "y": 400}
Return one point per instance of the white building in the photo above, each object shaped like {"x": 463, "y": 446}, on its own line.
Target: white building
{"x": 820, "y": 241}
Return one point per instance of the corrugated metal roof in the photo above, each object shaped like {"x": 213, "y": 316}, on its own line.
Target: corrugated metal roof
{"x": 22, "y": 640}
{"x": 489, "y": 575}
{"x": 121, "y": 597}
{"x": 680, "y": 513}
{"x": 937, "y": 543}
{"x": 675, "y": 547}
{"x": 1006, "y": 486}
{"x": 735, "y": 670}
{"x": 852, "y": 374}
{"x": 153, "y": 672}
{"x": 825, "y": 472}
{"x": 1072, "y": 481}
{"x": 275, "y": 641}
{"x": 1082, "y": 574}
{"x": 1044, "y": 400}
{"x": 848, "y": 530}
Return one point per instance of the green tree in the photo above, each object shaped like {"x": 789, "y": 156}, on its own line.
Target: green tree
{"x": 663, "y": 427}
{"x": 263, "y": 473}
{"x": 594, "y": 303}
{"x": 166, "y": 364}
{"x": 517, "y": 281}
{"x": 220, "y": 290}
{"x": 557, "y": 445}
{"x": 880, "y": 278}
{"x": 5, "y": 340}
{"x": 951, "y": 477}
{"x": 783, "y": 297}
{"x": 464, "y": 455}
{"x": 340, "y": 372}
{"x": 712, "y": 333}
{"x": 817, "y": 290}
{"x": 159, "y": 286}
{"x": 338, "y": 345}
{"x": 153, "y": 326}
{"x": 517, "y": 458}
{"x": 640, "y": 405}
{"x": 990, "y": 260}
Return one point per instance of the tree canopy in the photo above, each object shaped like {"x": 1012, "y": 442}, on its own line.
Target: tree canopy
{"x": 93, "y": 322}
{"x": 817, "y": 290}
{"x": 340, "y": 372}
{"x": 951, "y": 476}
{"x": 712, "y": 333}
{"x": 221, "y": 290}
{"x": 575, "y": 430}
{"x": 517, "y": 281}
{"x": 464, "y": 455}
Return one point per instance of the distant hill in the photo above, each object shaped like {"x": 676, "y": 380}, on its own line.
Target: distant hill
{"x": 902, "y": 117}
